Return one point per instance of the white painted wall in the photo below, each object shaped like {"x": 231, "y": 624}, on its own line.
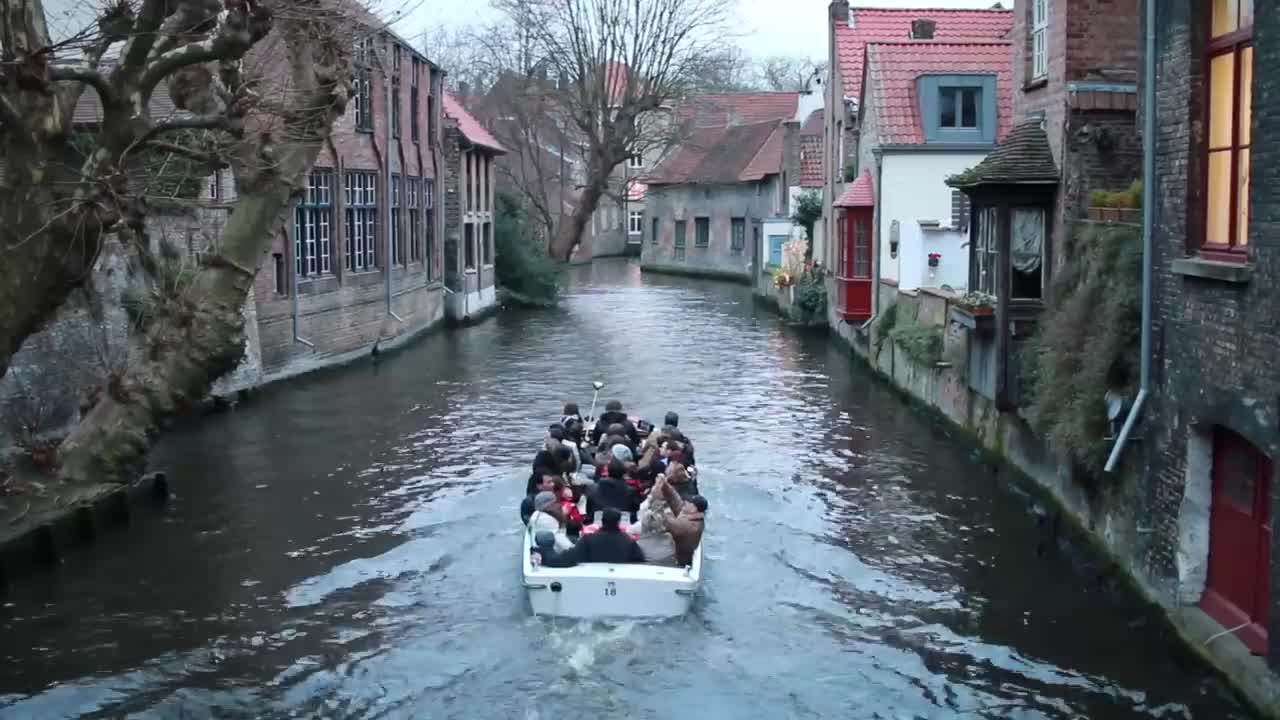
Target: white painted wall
{"x": 913, "y": 188}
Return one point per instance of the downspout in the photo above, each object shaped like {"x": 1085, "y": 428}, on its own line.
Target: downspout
{"x": 1148, "y": 227}
{"x": 386, "y": 155}
{"x": 293, "y": 296}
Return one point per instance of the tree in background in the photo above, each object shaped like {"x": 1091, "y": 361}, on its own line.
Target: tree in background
{"x": 255, "y": 87}
{"x": 523, "y": 269}
{"x": 788, "y": 73}
{"x": 618, "y": 60}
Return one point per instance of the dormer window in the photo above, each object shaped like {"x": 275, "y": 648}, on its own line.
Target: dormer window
{"x": 958, "y": 108}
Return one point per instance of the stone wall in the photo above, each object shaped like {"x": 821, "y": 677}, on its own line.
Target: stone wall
{"x": 721, "y": 203}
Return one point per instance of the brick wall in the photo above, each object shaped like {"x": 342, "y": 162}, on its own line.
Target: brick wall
{"x": 1215, "y": 342}
{"x": 720, "y": 204}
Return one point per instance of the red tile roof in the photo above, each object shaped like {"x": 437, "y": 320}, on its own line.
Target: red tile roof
{"x": 872, "y": 24}
{"x": 894, "y": 68}
{"x": 812, "y": 124}
{"x": 859, "y": 194}
{"x": 471, "y": 129}
{"x": 811, "y": 161}
{"x": 741, "y": 153}
{"x": 747, "y": 108}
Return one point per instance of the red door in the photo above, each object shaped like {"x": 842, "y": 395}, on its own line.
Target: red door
{"x": 1238, "y": 591}
{"x": 854, "y": 269}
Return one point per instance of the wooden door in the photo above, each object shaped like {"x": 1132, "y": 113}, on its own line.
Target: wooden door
{"x": 1238, "y": 590}
{"x": 856, "y": 264}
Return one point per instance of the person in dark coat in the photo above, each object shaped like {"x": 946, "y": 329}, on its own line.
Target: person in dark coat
{"x": 613, "y": 414}
{"x": 546, "y": 483}
{"x": 610, "y": 491}
{"x": 608, "y": 545}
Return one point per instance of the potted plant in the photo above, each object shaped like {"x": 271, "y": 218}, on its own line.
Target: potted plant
{"x": 978, "y": 303}
{"x": 934, "y": 258}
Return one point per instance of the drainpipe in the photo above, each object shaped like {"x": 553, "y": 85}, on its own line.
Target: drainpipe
{"x": 386, "y": 156}
{"x": 1148, "y": 227}
{"x": 293, "y": 297}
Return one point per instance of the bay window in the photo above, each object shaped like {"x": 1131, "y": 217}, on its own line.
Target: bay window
{"x": 1230, "y": 106}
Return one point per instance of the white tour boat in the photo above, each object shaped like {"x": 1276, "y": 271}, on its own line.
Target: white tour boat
{"x": 609, "y": 590}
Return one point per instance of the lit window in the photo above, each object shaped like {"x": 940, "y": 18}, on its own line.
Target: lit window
{"x": 1230, "y": 97}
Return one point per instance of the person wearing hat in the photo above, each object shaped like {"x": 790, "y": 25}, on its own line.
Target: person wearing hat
{"x": 609, "y": 545}
{"x": 549, "y": 516}
{"x": 544, "y": 550}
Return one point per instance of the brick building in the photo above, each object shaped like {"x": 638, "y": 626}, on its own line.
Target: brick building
{"x": 360, "y": 262}
{"x": 469, "y": 155}
{"x": 1213, "y": 429}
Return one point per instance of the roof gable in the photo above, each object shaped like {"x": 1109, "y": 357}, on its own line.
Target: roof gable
{"x": 876, "y": 24}
{"x": 894, "y": 68}
{"x": 471, "y": 129}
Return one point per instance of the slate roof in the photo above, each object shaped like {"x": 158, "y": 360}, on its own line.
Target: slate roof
{"x": 894, "y": 68}
{"x": 860, "y": 194}
{"x": 721, "y": 155}
{"x": 1023, "y": 158}
{"x": 471, "y": 129}
{"x": 873, "y": 24}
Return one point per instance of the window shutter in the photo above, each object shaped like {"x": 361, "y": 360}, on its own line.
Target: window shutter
{"x": 959, "y": 210}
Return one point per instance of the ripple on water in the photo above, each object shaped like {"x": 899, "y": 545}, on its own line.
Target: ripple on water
{"x": 342, "y": 547}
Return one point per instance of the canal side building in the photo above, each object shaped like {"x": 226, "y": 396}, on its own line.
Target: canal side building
{"x": 469, "y": 154}
{"x": 359, "y": 263}
{"x": 1213, "y": 429}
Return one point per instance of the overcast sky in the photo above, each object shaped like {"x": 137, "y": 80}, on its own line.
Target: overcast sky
{"x": 769, "y": 27}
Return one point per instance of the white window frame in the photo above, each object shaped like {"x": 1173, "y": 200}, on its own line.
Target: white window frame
{"x": 1039, "y": 39}
{"x": 635, "y": 222}
{"x": 635, "y": 162}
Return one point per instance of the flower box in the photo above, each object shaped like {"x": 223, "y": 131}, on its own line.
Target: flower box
{"x": 981, "y": 319}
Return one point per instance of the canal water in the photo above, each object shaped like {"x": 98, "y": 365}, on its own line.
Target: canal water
{"x": 346, "y": 547}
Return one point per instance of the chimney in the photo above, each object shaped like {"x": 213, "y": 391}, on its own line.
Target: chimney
{"x": 922, "y": 29}
{"x": 839, "y": 11}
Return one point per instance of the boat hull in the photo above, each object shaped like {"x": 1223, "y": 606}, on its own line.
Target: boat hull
{"x": 610, "y": 590}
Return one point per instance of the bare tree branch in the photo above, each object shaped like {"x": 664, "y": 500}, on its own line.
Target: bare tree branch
{"x": 86, "y": 75}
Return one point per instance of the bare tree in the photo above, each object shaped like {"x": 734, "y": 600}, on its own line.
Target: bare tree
{"x": 728, "y": 70}
{"x": 787, "y": 73}
{"x": 462, "y": 52}
{"x": 619, "y": 59}
{"x": 255, "y": 87}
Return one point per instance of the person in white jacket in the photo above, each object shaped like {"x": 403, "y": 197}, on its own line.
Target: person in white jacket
{"x": 548, "y": 516}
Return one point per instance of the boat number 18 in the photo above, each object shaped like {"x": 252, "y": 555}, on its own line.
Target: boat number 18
{"x": 610, "y": 590}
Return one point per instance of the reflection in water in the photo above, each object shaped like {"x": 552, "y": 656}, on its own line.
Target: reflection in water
{"x": 345, "y": 546}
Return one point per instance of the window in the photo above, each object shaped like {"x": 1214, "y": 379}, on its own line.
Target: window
{"x": 755, "y": 238}
{"x": 362, "y": 222}
{"x": 397, "y": 238}
{"x": 486, "y": 240}
{"x": 861, "y": 247}
{"x": 361, "y": 85}
{"x": 1026, "y": 254}
{"x": 701, "y": 232}
{"x": 469, "y": 245}
{"x": 1230, "y": 104}
{"x": 431, "y": 114}
{"x": 679, "y": 241}
{"x": 312, "y": 221}
{"x": 984, "y": 251}
{"x": 653, "y": 237}
{"x": 412, "y": 189}
{"x": 214, "y": 191}
{"x": 635, "y": 222}
{"x": 395, "y": 101}
{"x": 468, "y": 177}
{"x": 429, "y": 223}
{"x": 958, "y": 107}
{"x": 635, "y": 162}
{"x": 775, "y": 249}
{"x": 278, "y": 275}
{"x": 414, "y": 70}
{"x": 737, "y": 235}
{"x": 1039, "y": 38}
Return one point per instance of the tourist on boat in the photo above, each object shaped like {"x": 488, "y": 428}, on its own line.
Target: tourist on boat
{"x": 680, "y": 479}
{"x": 549, "y": 516}
{"x": 613, "y": 414}
{"x": 554, "y": 458}
{"x": 686, "y": 527}
{"x": 546, "y": 483}
{"x": 568, "y": 503}
{"x": 655, "y": 540}
{"x": 570, "y": 413}
{"x": 608, "y": 545}
{"x": 611, "y": 491}
{"x": 544, "y": 548}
